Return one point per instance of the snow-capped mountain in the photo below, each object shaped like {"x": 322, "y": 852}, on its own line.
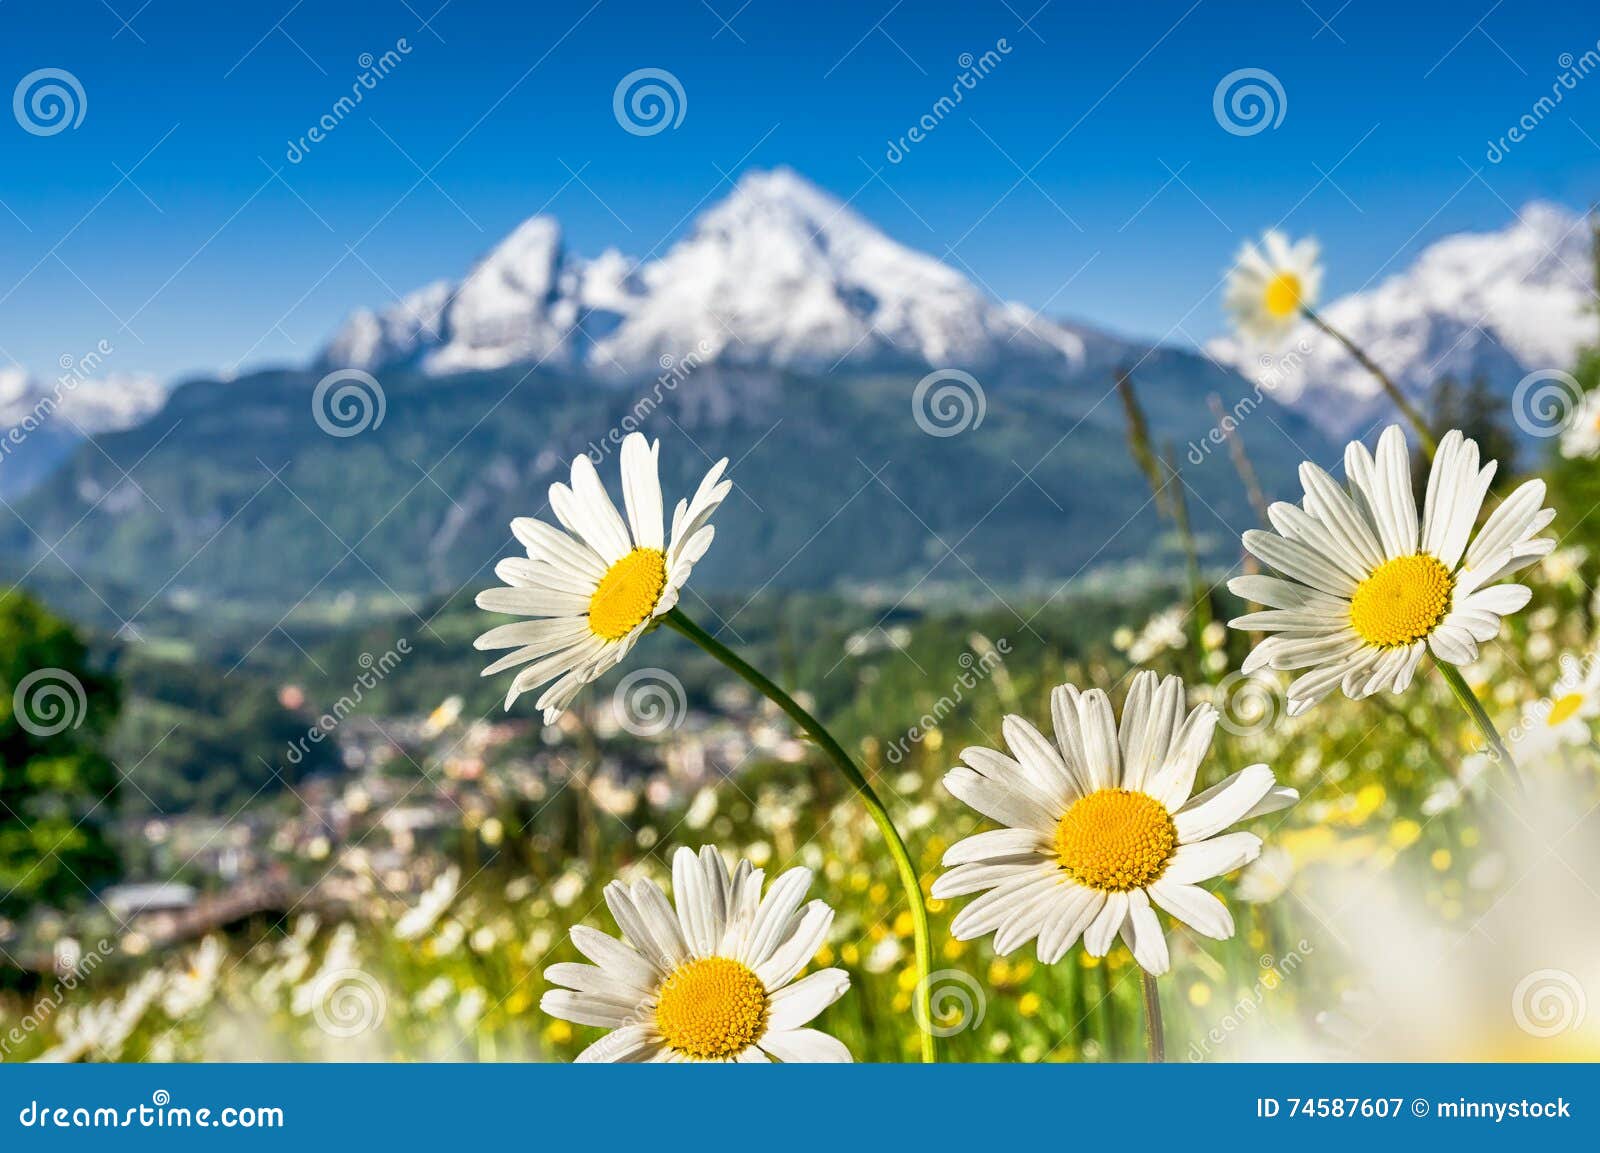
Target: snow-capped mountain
{"x": 1496, "y": 304}
{"x": 778, "y": 274}
{"x": 43, "y": 421}
{"x": 92, "y": 404}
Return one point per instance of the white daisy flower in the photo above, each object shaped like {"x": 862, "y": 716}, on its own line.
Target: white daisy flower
{"x": 1581, "y": 438}
{"x": 192, "y": 987}
{"x": 435, "y": 899}
{"x": 1166, "y": 630}
{"x": 1564, "y": 717}
{"x": 1270, "y": 285}
{"x": 596, "y": 588}
{"x": 1099, "y": 824}
{"x": 713, "y": 980}
{"x": 1366, "y": 590}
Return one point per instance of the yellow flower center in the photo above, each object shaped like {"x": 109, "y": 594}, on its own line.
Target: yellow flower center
{"x": 1563, "y": 709}
{"x": 712, "y": 1008}
{"x": 1115, "y": 840}
{"x": 628, "y": 593}
{"x": 1402, "y": 601}
{"x": 1282, "y": 298}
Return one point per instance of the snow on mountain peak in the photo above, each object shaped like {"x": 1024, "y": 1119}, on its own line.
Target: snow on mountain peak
{"x": 1491, "y": 304}
{"x": 776, "y": 192}
{"x": 778, "y": 273}
{"x": 397, "y": 333}
{"x": 90, "y": 404}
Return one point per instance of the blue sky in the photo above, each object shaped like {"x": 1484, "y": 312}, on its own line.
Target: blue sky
{"x": 1086, "y": 173}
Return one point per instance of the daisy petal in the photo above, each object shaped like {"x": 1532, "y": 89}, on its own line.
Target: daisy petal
{"x": 641, "y": 490}
{"x": 1102, "y": 931}
{"x": 586, "y": 1008}
{"x": 628, "y": 1044}
{"x": 1222, "y": 805}
{"x": 805, "y": 1046}
{"x": 1072, "y": 915}
{"x": 1203, "y": 860}
{"x": 799, "y": 947}
{"x": 795, "y": 1005}
{"x": 995, "y": 845}
{"x": 1195, "y": 907}
{"x": 1142, "y": 934}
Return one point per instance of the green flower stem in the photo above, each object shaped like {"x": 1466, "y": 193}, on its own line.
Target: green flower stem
{"x": 1475, "y": 710}
{"x": 1407, "y": 409}
{"x": 677, "y": 621}
{"x": 1155, "y": 1036}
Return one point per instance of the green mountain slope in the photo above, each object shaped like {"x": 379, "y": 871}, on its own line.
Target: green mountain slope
{"x": 237, "y": 505}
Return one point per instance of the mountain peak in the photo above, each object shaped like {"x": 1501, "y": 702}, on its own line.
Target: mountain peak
{"x": 90, "y": 404}
{"x": 534, "y": 244}
{"x": 780, "y": 183}
{"x": 779, "y": 273}
{"x": 778, "y": 193}
{"x": 1546, "y": 215}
